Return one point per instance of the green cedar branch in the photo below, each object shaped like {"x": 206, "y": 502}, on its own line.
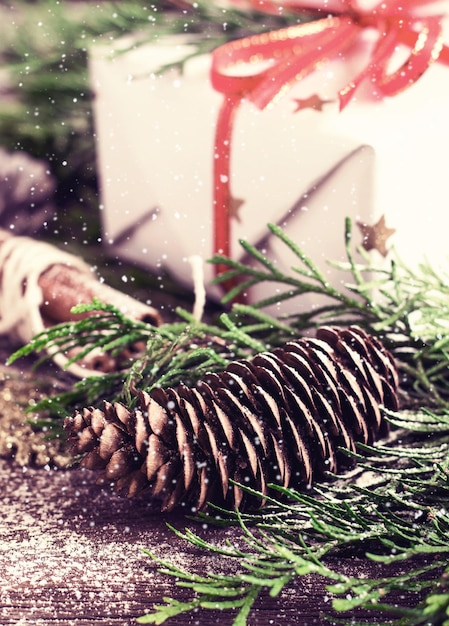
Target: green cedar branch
{"x": 399, "y": 518}
{"x": 387, "y": 523}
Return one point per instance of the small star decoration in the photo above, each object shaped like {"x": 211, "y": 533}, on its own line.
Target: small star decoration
{"x": 312, "y": 102}
{"x": 234, "y": 208}
{"x": 375, "y": 237}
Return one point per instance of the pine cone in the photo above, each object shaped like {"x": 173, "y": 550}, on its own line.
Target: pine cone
{"x": 279, "y": 418}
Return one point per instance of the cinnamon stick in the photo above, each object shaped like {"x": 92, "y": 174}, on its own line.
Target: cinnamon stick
{"x": 40, "y": 285}
{"x": 64, "y": 287}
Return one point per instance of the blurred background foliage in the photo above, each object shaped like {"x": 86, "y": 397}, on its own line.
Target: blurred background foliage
{"x": 46, "y": 100}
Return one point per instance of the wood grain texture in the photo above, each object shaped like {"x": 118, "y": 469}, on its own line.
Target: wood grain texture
{"x": 71, "y": 555}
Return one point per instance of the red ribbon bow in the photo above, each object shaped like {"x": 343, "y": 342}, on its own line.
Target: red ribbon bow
{"x": 296, "y": 51}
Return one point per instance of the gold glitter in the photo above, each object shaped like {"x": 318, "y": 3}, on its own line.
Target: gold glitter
{"x": 19, "y": 440}
{"x": 437, "y": 48}
{"x": 421, "y": 40}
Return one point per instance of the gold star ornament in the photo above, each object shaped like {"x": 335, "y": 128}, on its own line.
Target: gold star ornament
{"x": 312, "y": 102}
{"x": 234, "y": 208}
{"x": 375, "y": 237}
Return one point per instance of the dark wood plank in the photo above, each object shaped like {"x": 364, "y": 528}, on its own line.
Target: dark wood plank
{"x": 71, "y": 554}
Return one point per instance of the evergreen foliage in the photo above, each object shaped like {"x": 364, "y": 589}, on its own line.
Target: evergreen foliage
{"x": 398, "y": 517}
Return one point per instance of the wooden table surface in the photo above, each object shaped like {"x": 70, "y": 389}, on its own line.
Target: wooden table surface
{"x": 71, "y": 553}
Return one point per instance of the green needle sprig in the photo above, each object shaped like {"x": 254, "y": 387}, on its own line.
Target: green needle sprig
{"x": 398, "y": 521}
{"x": 404, "y": 307}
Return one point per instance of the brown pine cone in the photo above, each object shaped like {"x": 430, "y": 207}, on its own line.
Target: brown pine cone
{"x": 279, "y": 418}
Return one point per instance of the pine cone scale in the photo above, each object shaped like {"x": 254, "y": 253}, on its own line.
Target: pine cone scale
{"x": 110, "y": 440}
{"x": 165, "y": 477}
{"x": 142, "y": 433}
{"x": 157, "y": 455}
{"x": 302, "y": 469}
{"x": 186, "y": 453}
{"x": 355, "y": 416}
{"x": 250, "y": 457}
{"x": 283, "y": 464}
{"x": 189, "y": 410}
{"x": 120, "y": 462}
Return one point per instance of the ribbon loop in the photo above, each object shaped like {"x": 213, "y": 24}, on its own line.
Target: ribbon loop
{"x": 427, "y": 48}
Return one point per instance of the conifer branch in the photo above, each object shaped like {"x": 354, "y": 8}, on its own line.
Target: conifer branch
{"x": 391, "y": 522}
{"x": 399, "y": 518}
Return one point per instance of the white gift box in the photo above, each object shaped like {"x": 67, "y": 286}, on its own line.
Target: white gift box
{"x": 306, "y": 170}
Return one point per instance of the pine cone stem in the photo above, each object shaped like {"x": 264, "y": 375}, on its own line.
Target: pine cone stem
{"x": 279, "y": 418}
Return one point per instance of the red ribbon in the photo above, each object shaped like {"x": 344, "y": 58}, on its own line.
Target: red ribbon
{"x": 296, "y": 51}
